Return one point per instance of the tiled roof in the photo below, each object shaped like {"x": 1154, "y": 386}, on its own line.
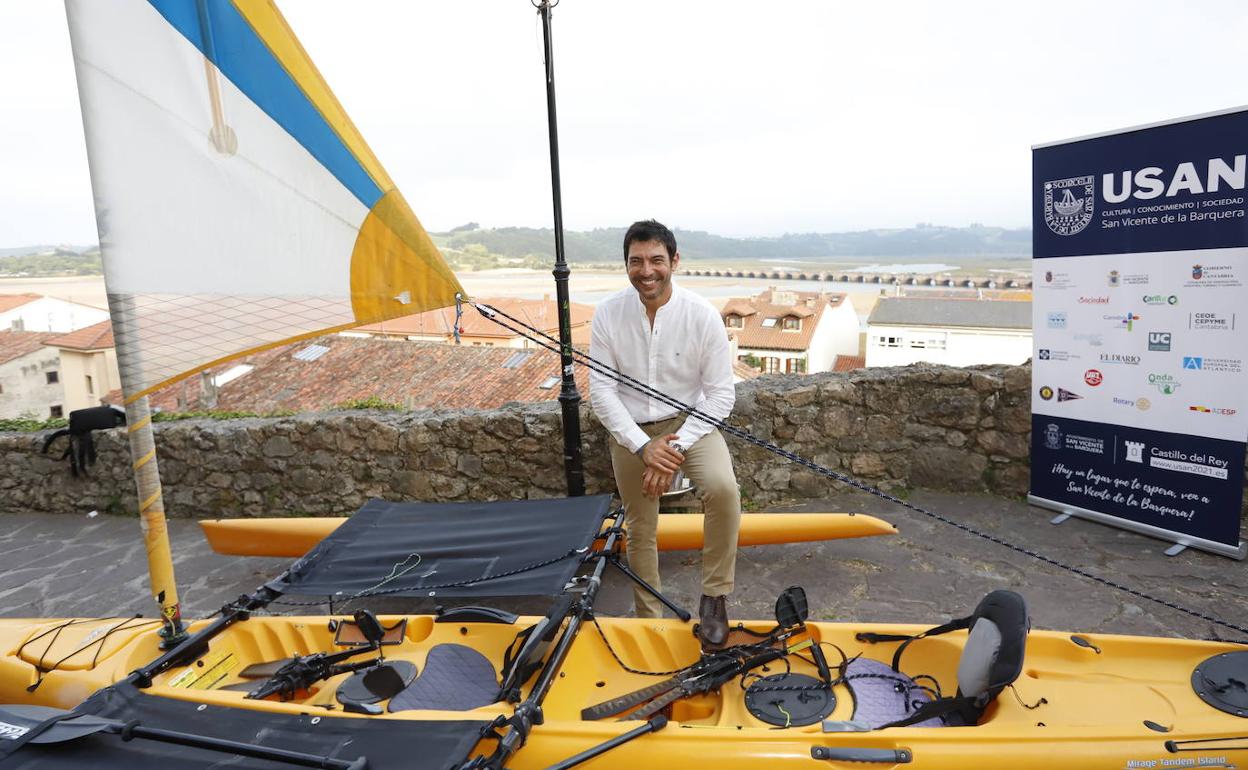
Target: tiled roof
{"x": 96, "y": 337}
{"x": 17, "y": 344}
{"x": 413, "y": 374}
{"x": 849, "y": 363}
{"x": 744, "y": 371}
{"x": 971, "y": 313}
{"x": 806, "y": 305}
{"x": 540, "y": 313}
{"x": 10, "y": 301}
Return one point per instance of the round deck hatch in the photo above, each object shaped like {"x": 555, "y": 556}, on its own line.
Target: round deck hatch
{"x": 789, "y": 700}
{"x": 1222, "y": 682}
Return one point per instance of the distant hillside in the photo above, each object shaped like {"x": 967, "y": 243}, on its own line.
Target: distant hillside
{"x": 603, "y": 245}
{"x": 50, "y": 260}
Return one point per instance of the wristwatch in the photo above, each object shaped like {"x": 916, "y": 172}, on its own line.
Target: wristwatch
{"x": 680, "y": 449}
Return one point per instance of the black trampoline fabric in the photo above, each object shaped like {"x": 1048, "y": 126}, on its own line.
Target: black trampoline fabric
{"x": 406, "y": 744}
{"x": 502, "y": 548}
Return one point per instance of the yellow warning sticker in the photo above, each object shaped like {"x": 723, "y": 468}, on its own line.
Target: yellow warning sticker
{"x": 205, "y": 673}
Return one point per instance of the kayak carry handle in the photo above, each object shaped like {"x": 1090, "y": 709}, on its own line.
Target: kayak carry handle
{"x": 850, "y": 754}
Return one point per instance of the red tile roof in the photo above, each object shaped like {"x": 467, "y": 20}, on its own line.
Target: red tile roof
{"x": 10, "y": 301}
{"x": 96, "y": 337}
{"x": 539, "y": 313}
{"x": 806, "y": 305}
{"x": 413, "y": 374}
{"x": 17, "y": 344}
{"x": 849, "y": 363}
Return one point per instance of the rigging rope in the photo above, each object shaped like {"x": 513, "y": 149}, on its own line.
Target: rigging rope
{"x": 585, "y": 360}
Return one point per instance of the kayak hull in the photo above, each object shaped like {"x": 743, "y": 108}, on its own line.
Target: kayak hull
{"x": 1072, "y": 705}
{"x": 677, "y": 531}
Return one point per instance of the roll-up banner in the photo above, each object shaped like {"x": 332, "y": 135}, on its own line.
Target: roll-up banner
{"x": 1139, "y": 394}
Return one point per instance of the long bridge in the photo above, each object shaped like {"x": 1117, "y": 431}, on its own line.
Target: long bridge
{"x": 882, "y": 279}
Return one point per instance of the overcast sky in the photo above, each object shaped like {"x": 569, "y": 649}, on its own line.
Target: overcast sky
{"x": 741, "y": 118}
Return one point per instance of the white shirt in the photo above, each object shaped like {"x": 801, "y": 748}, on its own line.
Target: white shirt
{"x": 685, "y": 356}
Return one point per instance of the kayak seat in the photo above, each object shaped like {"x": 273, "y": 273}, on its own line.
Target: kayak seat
{"x": 455, "y": 678}
{"x": 992, "y": 658}
{"x": 883, "y": 696}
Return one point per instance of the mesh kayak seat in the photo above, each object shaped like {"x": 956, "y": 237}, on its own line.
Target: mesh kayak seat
{"x": 455, "y": 678}
{"x": 991, "y": 660}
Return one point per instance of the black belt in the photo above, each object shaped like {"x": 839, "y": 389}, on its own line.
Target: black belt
{"x": 656, "y": 422}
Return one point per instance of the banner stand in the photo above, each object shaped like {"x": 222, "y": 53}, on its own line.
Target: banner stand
{"x": 1221, "y": 549}
{"x": 1139, "y": 401}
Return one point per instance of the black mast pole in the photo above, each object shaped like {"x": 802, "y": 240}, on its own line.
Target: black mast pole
{"x": 569, "y": 398}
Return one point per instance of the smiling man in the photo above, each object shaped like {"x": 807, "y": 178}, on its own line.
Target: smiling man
{"x": 675, "y": 342}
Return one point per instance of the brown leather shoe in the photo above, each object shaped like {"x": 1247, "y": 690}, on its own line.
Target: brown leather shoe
{"x": 713, "y": 620}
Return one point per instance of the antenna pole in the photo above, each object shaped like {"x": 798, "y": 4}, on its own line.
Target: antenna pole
{"x": 569, "y": 398}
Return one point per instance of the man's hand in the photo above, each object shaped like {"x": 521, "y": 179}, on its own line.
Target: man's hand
{"x": 655, "y": 482}
{"x": 659, "y": 454}
{"x": 662, "y": 460}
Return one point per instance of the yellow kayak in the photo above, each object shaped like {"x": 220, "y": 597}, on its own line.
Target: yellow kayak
{"x": 1073, "y": 706}
{"x": 677, "y": 531}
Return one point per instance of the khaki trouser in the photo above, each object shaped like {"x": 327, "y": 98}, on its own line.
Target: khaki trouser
{"x": 708, "y": 465}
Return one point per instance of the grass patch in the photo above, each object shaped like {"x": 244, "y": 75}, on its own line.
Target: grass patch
{"x": 372, "y": 402}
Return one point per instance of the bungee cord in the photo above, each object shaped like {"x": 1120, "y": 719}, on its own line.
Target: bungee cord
{"x": 550, "y": 343}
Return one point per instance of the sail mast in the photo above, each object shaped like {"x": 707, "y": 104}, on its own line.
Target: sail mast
{"x": 146, "y": 474}
{"x": 569, "y": 398}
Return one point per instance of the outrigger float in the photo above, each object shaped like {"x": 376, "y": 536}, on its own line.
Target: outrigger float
{"x": 220, "y": 157}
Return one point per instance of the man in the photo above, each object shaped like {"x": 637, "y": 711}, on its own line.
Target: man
{"x": 675, "y": 342}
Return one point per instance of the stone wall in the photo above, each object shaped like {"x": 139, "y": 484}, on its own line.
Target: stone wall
{"x": 917, "y": 426}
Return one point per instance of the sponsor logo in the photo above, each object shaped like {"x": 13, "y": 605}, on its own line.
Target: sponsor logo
{"x": 1211, "y": 321}
{"x": 1055, "y": 280}
{"x": 1124, "y": 321}
{"x": 1095, "y": 340}
{"x": 1057, "y": 320}
{"x": 1159, "y": 341}
{"x": 1135, "y": 451}
{"x": 1066, "y": 395}
{"x": 1052, "y": 436}
{"x": 1185, "y": 178}
{"x": 1087, "y": 444}
{"x": 1046, "y": 392}
{"x": 1069, "y": 204}
{"x": 1048, "y": 276}
{"x": 1213, "y": 275}
{"x": 1140, "y": 403}
{"x": 1120, "y": 358}
{"x": 1212, "y": 410}
{"x": 1093, "y": 300}
{"x": 1114, "y": 279}
{"x": 1206, "y": 364}
{"x": 1093, "y": 377}
{"x": 1049, "y": 354}
{"x": 1165, "y": 384}
{"x": 1196, "y": 463}
{"x": 1161, "y": 299}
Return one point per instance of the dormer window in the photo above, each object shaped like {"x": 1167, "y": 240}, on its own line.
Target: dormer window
{"x": 769, "y": 323}
{"x": 792, "y": 324}
{"x": 734, "y": 321}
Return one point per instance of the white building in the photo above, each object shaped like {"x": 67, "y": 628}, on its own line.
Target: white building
{"x": 88, "y": 365}
{"x": 37, "y": 313}
{"x": 955, "y": 332}
{"x": 30, "y": 377}
{"x": 799, "y": 332}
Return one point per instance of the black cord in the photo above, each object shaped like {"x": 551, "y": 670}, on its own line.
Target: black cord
{"x": 597, "y": 366}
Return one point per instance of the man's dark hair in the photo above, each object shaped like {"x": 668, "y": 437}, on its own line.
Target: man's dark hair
{"x": 650, "y": 230}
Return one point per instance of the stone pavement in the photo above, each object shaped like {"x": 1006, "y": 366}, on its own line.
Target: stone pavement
{"x": 69, "y": 566}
